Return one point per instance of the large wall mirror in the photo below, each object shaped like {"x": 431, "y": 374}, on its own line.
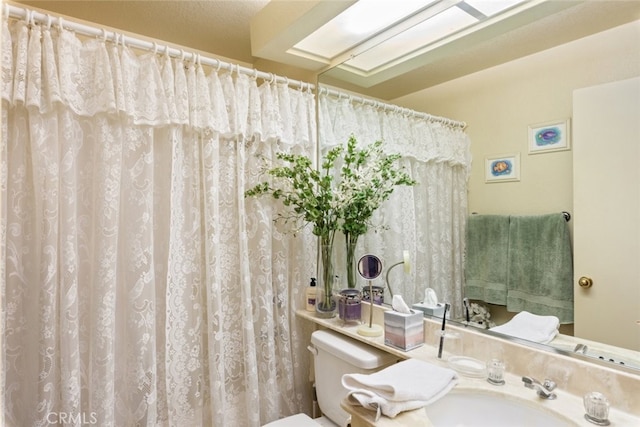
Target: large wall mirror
{"x": 402, "y": 82}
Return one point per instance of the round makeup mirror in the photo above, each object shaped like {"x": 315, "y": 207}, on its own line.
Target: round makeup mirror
{"x": 369, "y": 267}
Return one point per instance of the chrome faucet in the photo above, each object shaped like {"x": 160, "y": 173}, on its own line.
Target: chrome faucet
{"x": 544, "y": 390}
{"x": 581, "y": 349}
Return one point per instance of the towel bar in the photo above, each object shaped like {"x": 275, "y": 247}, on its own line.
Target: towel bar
{"x": 565, "y": 214}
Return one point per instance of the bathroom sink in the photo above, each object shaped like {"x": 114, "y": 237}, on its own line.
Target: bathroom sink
{"x": 481, "y": 408}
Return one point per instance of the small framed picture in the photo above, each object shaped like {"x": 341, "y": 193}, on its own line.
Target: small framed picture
{"x": 503, "y": 168}
{"x": 550, "y": 136}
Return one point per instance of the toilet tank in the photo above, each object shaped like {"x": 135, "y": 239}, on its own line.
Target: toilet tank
{"x": 334, "y": 356}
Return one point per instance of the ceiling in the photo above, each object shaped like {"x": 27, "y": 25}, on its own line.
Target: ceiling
{"x": 214, "y": 26}
{"x": 263, "y": 32}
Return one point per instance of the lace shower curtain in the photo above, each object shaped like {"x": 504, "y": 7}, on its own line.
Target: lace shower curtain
{"x": 428, "y": 219}
{"x": 138, "y": 285}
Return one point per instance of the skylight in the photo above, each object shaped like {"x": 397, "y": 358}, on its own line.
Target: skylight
{"x": 385, "y": 31}
{"x": 425, "y": 33}
{"x": 492, "y": 7}
{"x": 357, "y": 23}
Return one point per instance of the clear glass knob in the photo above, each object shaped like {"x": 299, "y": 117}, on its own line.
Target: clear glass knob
{"x": 495, "y": 369}
{"x": 596, "y": 406}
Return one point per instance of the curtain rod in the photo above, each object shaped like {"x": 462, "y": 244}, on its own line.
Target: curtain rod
{"x": 32, "y": 16}
{"x": 392, "y": 107}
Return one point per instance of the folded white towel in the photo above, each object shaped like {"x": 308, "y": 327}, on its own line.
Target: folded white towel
{"x": 531, "y": 327}
{"x": 407, "y": 385}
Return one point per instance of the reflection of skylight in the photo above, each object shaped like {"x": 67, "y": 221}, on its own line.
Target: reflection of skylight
{"x": 409, "y": 24}
{"x": 430, "y": 30}
{"x": 357, "y": 23}
{"x": 491, "y": 7}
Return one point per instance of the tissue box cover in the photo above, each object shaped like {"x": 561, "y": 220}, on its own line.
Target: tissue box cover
{"x": 403, "y": 331}
{"x": 430, "y": 310}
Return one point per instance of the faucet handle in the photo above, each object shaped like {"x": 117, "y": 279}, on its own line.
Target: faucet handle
{"x": 596, "y": 406}
{"x": 543, "y": 390}
{"x": 549, "y": 384}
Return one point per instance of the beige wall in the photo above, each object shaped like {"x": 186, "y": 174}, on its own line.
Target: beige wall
{"x": 499, "y": 103}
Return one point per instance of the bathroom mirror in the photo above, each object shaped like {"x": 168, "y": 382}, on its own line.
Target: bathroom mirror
{"x": 369, "y": 267}
{"x": 567, "y": 344}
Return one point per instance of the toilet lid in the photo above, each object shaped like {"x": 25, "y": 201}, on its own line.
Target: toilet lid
{"x": 298, "y": 420}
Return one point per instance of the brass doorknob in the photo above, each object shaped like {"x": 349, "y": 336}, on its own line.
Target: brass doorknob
{"x": 585, "y": 282}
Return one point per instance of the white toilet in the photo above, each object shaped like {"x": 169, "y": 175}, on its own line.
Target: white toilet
{"x": 334, "y": 356}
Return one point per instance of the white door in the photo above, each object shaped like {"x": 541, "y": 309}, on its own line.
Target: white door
{"x": 606, "y": 185}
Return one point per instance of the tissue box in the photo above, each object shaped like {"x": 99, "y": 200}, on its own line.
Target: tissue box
{"x": 437, "y": 311}
{"x": 403, "y": 331}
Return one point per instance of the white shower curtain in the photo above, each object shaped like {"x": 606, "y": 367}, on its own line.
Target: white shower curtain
{"x": 427, "y": 219}
{"x": 138, "y": 285}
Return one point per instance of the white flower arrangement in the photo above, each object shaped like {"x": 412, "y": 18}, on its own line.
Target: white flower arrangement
{"x": 330, "y": 199}
{"x": 367, "y": 179}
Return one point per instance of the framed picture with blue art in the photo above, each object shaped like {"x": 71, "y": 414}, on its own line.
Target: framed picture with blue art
{"x": 502, "y": 168}
{"x": 550, "y": 136}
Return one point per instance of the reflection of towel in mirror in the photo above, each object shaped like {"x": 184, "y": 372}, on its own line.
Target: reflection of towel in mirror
{"x": 407, "y": 385}
{"x": 530, "y": 327}
{"x": 487, "y": 246}
{"x": 540, "y": 266}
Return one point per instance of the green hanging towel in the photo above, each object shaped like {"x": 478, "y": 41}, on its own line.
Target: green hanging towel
{"x": 540, "y": 266}
{"x": 487, "y": 245}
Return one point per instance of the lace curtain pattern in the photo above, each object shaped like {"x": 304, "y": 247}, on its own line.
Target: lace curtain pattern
{"x": 138, "y": 286}
{"x": 428, "y": 219}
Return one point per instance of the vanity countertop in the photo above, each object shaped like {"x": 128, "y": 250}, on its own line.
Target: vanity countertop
{"x": 567, "y": 404}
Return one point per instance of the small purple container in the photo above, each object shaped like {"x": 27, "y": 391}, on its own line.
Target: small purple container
{"x": 378, "y": 294}
{"x": 349, "y": 307}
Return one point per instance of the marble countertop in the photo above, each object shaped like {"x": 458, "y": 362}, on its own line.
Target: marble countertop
{"x": 567, "y": 405}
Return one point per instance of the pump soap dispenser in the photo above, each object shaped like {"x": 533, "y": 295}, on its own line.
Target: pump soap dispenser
{"x": 310, "y": 295}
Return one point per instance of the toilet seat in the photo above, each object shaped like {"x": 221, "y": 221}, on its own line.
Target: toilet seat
{"x": 298, "y": 420}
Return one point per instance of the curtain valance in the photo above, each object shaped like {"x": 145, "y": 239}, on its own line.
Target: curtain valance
{"x": 412, "y": 136}
{"x": 92, "y": 76}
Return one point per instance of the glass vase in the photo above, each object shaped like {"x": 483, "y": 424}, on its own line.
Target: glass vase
{"x": 350, "y": 245}
{"x": 326, "y": 305}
